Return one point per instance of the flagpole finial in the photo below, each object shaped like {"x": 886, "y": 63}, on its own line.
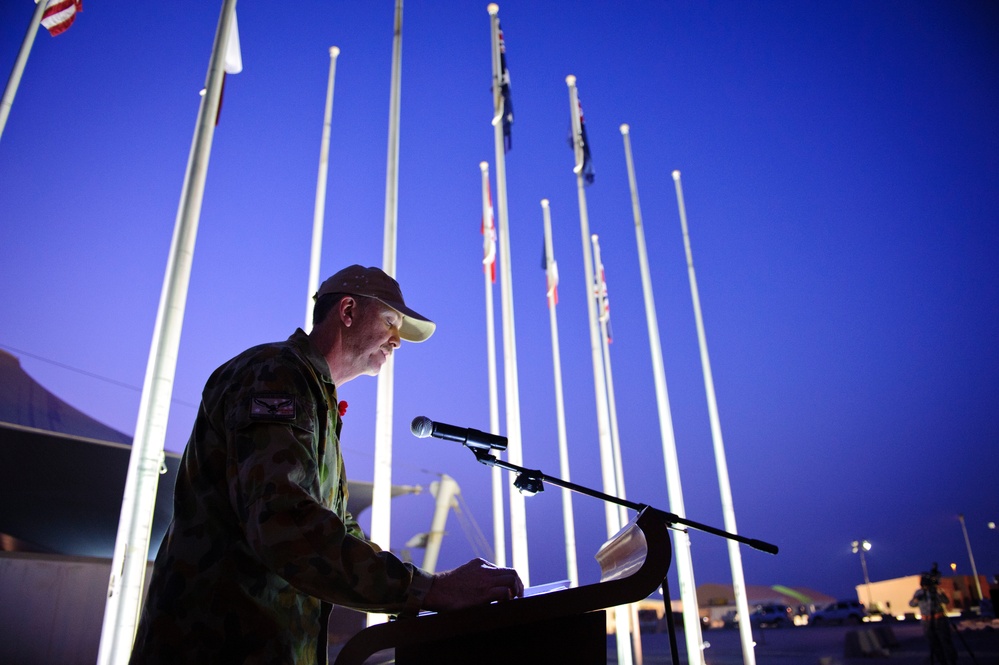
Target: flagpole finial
{"x": 334, "y": 51}
{"x": 570, "y": 80}
{"x": 544, "y": 203}
{"x": 493, "y": 9}
{"x": 676, "y": 176}
{"x": 594, "y": 237}
{"x": 483, "y": 166}
{"x": 625, "y": 128}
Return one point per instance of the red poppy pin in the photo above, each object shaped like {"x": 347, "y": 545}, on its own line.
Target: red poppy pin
{"x": 342, "y": 408}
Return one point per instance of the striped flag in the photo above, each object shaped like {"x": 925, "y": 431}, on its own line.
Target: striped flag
{"x": 60, "y": 14}
{"x": 489, "y": 239}
{"x": 551, "y": 276}
{"x": 505, "y": 94}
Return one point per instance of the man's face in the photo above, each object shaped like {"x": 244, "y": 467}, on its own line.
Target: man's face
{"x": 373, "y": 337}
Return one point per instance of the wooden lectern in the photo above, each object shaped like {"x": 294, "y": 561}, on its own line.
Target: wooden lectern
{"x": 566, "y": 626}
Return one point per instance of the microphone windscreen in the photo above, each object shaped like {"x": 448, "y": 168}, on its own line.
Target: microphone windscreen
{"x": 422, "y": 427}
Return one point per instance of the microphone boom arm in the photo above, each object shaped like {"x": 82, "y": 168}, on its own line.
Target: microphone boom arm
{"x": 535, "y": 478}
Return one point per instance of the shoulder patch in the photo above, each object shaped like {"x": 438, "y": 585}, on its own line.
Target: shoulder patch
{"x": 272, "y": 406}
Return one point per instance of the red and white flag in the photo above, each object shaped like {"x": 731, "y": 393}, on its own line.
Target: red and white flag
{"x": 551, "y": 276}
{"x": 60, "y": 14}
{"x": 489, "y": 239}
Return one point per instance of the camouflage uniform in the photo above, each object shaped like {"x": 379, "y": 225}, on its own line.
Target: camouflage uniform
{"x": 261, "y": 541}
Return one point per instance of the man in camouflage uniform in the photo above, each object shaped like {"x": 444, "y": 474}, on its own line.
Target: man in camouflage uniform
{"x": 261, "y": 543}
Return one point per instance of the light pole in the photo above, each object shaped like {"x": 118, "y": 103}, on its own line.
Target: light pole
{"x": 859, "y": 547}
{"x": 974, "y": 571}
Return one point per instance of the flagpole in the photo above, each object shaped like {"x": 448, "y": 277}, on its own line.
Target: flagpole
{"x": 603, "y": 428}
{"x": 131, "y": 550}
{"x": 551, "y": 283}
{"x": 611, "y": 514}
{"x": 681, "y": 540}
{"x": 489, "y": 265}
{"x": 518, "y": 517}
{"x": 728, "y": 507}
{"x": 22, "y": 59}
{"x": 603, "y": 309}
{"x": 381, "y": 493}
{"x": 320, "y": 208}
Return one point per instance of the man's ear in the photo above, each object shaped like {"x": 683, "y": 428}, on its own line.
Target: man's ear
{"x": 347, "y": 309}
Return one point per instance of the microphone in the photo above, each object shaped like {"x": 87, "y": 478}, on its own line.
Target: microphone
{"x": 423, "y": 427}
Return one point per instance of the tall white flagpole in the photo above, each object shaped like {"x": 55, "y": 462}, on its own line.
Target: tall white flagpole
{"x": 681, "y": 540}
{"x": 22, "y": 59}
{"x": 603, "y": 310}
{"x": 728, "y": 508}
{"x": 603, "y": 307}
{"x": 551, "y": 284}
{"x": 611, "y": 514}
{"x": 518, "y": 517}
{"x": 489, "y": 270}
{"x": 381, "y": 493}
{"x": 131, "y": 550}
{"x": 320, "y": 208}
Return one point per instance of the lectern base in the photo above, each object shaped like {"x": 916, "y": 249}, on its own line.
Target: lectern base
{"x": 580, "y": 639}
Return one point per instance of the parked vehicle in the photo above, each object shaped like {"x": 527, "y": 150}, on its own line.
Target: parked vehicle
{"x": 842, "y": 611}
{"x": 771, "y": 615}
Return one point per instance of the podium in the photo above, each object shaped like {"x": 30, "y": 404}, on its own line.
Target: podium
{"x": 567, "y": 626}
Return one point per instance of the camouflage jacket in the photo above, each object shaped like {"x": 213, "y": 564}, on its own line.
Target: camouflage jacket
{"x": 261, "y": 541}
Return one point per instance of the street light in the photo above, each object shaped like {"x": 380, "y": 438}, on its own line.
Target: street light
{"x": 859, "y": 547}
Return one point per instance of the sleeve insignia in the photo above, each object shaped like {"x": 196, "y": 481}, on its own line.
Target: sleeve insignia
{"x": 272, "y": 407}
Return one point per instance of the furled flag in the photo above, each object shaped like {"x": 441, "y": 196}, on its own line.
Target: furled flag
{"x": 604, "y": 302}
{"x": 60, "y": 14}
{"x": 507, "y": 110}
{"x": 233, "y": 63}
{"x": 551, "y": 276}
{"x": 489, "y": 239}
{"x": 587, "y": 160}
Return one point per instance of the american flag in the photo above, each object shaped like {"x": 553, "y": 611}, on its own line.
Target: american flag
{"x": 60, "y": 14}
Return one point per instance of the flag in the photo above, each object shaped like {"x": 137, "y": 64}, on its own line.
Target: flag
{"x": 507, "y": 109}
{"x": 233, "y": 63}
{"x": 551, "y": 276}
{"x": 233, "y": 54}
{"x": 60, "y": 14}
{"x": 489, "y": 239}
{"x": 604, "y": 302}
{"x": 587, "y": 161}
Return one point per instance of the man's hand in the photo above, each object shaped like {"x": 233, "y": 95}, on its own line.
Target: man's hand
{"x": 474, "y": 583}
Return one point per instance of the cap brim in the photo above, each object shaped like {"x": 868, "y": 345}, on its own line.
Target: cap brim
{"x": 415, "y": 327}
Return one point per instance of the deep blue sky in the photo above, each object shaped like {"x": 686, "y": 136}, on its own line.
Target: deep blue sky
{"x": 840, "y": 166}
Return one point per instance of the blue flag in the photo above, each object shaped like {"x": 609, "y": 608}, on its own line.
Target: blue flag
{"x": 505, "y": 94}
